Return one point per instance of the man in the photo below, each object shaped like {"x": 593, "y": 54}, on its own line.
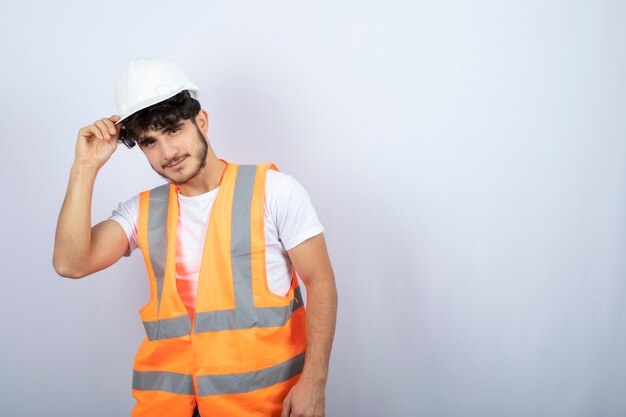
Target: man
{"x": 227, "y": 334}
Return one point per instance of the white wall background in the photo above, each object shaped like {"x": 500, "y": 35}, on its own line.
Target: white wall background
{"x": 467, "y": 159}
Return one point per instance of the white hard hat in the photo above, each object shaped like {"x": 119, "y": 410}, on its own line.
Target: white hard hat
{"x": 147, "y": 81}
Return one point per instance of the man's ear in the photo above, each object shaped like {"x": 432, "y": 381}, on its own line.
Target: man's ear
{"x": 202, "y": 121}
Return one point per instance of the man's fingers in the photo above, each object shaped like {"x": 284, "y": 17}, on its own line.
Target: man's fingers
{"x": 115, "y": 119}
{"x": 286, "y": 406}
{"x": 104, "y": 129}
{"x": 95, "y": 132}
{"x": 109, "y": 124}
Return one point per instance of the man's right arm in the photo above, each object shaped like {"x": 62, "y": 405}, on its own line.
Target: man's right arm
{"x": 79, "y": 249}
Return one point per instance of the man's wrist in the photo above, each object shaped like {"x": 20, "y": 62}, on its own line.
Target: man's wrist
{"x": 79, "y": 167}
{"x": 317, "y": 379}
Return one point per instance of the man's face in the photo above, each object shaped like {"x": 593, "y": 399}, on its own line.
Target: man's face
{"x": 177, "y": 154}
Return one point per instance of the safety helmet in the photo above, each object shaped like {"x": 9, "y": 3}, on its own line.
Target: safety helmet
{"x": 147, "y": 81}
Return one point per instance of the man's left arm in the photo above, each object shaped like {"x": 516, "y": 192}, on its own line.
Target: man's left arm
{"x": 310, "y": 259}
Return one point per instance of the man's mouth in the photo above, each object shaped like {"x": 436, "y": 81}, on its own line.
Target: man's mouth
{"x": 177, "y": 163}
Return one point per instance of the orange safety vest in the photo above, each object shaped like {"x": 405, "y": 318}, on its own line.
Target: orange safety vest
{"x": 244, "y": 349}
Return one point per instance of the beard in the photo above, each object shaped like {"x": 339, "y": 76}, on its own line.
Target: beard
{"x": 199, "y": 158}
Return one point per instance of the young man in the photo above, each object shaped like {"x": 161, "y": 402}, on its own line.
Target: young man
{"x": 227, "y": 334}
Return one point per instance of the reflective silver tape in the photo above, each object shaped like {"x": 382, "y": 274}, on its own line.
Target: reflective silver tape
{"x": 168, "y": 328}
{"x": 163, "y": 381}
{"x": 212, "y": 321}
{"x": 240, "y": 241}
{"x": 157, "y": 242}
{"x": 250, "y": 381}
{"x": 157, "y": 232}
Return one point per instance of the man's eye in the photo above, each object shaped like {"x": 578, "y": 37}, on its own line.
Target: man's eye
{"x": 146, "y": 143}
{"x": 174, "y": 130}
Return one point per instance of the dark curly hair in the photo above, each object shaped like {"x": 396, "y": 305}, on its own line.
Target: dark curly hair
{"x": 164, "y": 114}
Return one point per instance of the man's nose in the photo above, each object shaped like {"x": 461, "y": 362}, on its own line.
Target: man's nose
{"x": 169, "y": 151}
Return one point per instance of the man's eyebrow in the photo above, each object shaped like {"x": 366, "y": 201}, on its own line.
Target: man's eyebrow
{"x": 175, "y": 126}
{"x": 141, "y": 139}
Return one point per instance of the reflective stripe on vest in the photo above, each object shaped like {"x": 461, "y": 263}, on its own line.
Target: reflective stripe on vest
{"x": 218, "y": 384}
{"x": 250, "y": 381}
{"x": 163, "y": 381}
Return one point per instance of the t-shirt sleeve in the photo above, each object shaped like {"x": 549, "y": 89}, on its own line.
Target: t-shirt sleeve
{"x": 126, "y": 215}
{"x": 293, "y": 213}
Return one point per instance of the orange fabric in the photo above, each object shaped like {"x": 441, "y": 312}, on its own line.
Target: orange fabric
{"x": 265, "y": 402}
{"x": 188, "y": 289}
{"x": 231, "y": 352}
{"x": 263, "y": 296}
{"x": 162, "y": 404}
{"x": 171, "y": 303}
{"x": 149, "y": 310}
{"x": 216, "y": 352}
{"x": 176, "y": 353}
{"x": 217, "y": 293}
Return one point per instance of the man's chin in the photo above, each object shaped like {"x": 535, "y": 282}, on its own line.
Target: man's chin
{"x": 179, "y": 181}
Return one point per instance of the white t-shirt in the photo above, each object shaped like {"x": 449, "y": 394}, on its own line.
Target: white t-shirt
{"x": 290, "y": 219}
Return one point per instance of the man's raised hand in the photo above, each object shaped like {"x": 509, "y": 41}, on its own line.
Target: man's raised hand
{"x": 97, "y": 142}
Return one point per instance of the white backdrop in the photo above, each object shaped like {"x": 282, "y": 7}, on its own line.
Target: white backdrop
{"x": 467, "y": 159}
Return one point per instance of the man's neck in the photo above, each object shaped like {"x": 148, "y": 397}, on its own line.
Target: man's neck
{"x": 207, "y": 179}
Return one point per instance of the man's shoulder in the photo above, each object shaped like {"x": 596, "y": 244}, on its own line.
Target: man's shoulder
{"x": 278, "y": 180}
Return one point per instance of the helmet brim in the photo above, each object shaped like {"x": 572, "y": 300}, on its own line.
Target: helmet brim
{"x": 193, "y": 90}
